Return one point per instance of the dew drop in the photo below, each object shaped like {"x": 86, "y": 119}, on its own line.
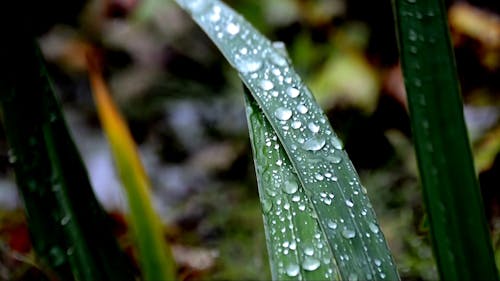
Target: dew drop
{"x": 271, "y": 192}
{"x": 412, "y": 35}
{"x": 296, "y": 124}
{"x": 292, "y": 92}
{"x": 280, "y": 48}
{"x": 57, "y": 256}
{"x": 215, "y": 17}
{"x": 349, "y": 203}
{"x": 334, "y": 159}
{"x": 196, "y": 6}
{"x": 266, "y": 85}
{"x": 302, "y": 109}
{"x": 363, "y": 189}
{"x": 310, "y": 264}
{"x": 377, "y": 262}
{"x": 309, "y": 251}
{"x": 290, "y": 187}
{"x": 12, "y": 158}
{"x": 313, "y": 127}
{"x": 292, "y": 270}
{"x": 319, "y": 177}
{"x": 348, "y": 233}
{"x": 373, "y": 227}
{"x": 331, "y": 224}
{"x": 267, "y": 205}
{"x": 277, "y": 59}
{"x": 352, "y": 277}
{"x": 337, "y": 143}
{"x": 248, "y": 65}
{"x": 233, "y": 28}
{"x": 283, "y": 113}
{"x": 65, "y": 220}
{"x": 314, "y": 144}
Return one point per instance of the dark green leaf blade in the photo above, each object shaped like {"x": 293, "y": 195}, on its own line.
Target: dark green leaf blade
{"x": 69, "y": 229}
{"x": 315, "y": 152}
{"x": 296, "y": 244}
{"x": 461, "y": 241}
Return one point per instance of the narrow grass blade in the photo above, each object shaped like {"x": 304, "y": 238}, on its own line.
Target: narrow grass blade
{"x": 69, "y": 229}
{"x": 461, "y": 241}
{"x": 315, "y": 153}
{"x": 297, "y": 246}
{"x": 154, "y": 254}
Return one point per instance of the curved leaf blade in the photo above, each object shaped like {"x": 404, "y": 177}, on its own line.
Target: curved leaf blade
{"x": 316, "y": 154}
{"x": 296, "y": 244}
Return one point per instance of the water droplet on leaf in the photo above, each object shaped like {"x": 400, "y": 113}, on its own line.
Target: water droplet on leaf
{"x": 348, "y": 233}
{"x": 290, "y": 187}
{"x": 331, "y": 224}
{"x": 296, "y": 124}
{"x": 267, "y": 205}
{"x": 292, "y": 270}
{"x": 283, "y": 113}
{"x": 309, "y": 251}
{"x": 373, "y": 227}
{"x": 314, "y": 144}
{"x": 233, "y": 28}
{"x": 302, "y": 109}
{"x": 349, "y": 203}
{"x": 292, "y": 92}
{"x": 313, "y": 127}
{"x": 310, "y": 263}
{"x": 337, "y": 143}
{"x": 248, "y": 65}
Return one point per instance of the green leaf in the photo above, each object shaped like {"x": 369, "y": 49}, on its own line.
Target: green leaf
{"x": 301, "y": 247}
{"x": 155, "y": 255}
{"x": 315, "y": 154}
{"x": 461, "y": 241}
{"x": 69, "y": 229}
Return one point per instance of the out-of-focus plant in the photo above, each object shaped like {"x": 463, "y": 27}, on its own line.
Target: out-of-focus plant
{"x": 155, "y": 256}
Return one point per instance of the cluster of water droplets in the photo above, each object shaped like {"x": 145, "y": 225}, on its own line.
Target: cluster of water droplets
{"x": 417, "y": 37}
{"x": 331, "y": 187}
{"x": 287, "y": 211}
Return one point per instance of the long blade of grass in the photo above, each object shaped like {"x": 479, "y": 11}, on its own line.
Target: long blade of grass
{"x": 293, "y": 234}
{"x": 315, "y": 153}
{"x": 69, "y": 229}
{"x": 461, "y": 241}
{"x": 154, "y": 254}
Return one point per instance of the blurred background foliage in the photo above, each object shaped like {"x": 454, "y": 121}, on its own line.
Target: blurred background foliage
{"x": 184, "y": 106}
